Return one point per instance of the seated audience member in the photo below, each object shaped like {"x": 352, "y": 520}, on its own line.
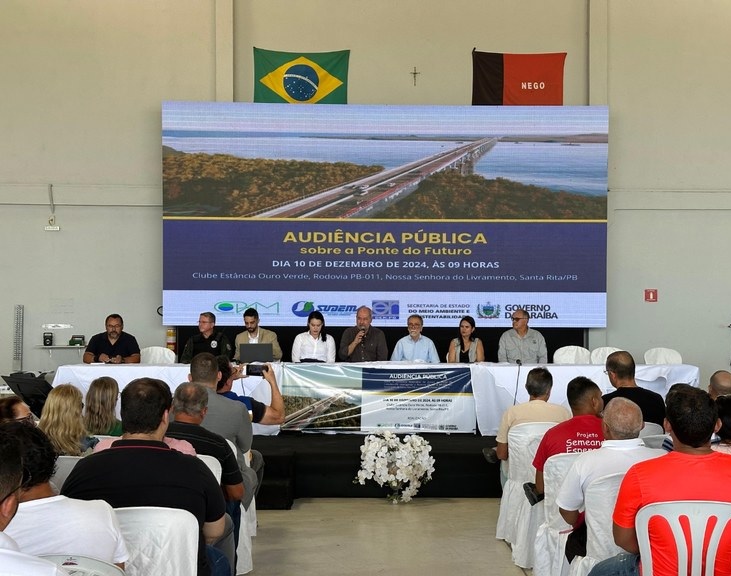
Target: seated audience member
{"x": 254, "y": 334}
{"x": 363, "y": 342}
{"x": 100, "y": 416}
{"x": 720, "y": 384}
{"x": 115, "y": 346}
{"x": 207, "y": 340}
{"x": 521, "y": 343}
{"x": 190, "y": 405}
{"x": 12, "y": 561}
{"x": 141, "y": 470}
{"x": 415, "y": 347}
{"x": 13, "y": 408}
{"x": 47, "y": 523}
{"x": 580, "y": 433}
{"x": 723, "y": 404}
{"x": 692, "y": 471}
{"x": 229, "y": 419}
{"x": 314, "y": 345}
{"x": 467, "y": 348}
{"x": 260, "y": 413}
{"x": 63, "y": 423}
{"x": 538, "y": 384}
{"x": 621, "y": 448}
{"x": 620, "y": 369}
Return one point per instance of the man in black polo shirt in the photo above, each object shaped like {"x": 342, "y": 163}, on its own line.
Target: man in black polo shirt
{"x": 207, "y": 340}
{"x": 141, "y": 470}
{"x": 114, "y": 346}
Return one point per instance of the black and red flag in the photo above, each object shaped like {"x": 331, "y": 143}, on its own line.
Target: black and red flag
{"x": 517, "y": 79}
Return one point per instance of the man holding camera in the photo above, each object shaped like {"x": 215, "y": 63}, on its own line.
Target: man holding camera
{"x": 363, "y": 342}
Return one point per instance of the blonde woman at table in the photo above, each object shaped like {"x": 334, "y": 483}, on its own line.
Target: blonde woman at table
{"x": 100, "y": 416}
{"x": 63, "y": 422}
{"x": 314, "y": 345}
{"x": 467, "y": 348}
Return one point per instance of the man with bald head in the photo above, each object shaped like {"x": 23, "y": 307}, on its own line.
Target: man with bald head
{"x": 620, "y": 369}
{"x": 621, "y": 449}
{"x": 720, "y": 384}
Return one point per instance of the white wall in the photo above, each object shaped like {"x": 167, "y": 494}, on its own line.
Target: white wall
{"x": 82, "y": 86}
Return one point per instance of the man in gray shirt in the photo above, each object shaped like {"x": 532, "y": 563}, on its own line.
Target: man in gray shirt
{"x": 522, "y": 343}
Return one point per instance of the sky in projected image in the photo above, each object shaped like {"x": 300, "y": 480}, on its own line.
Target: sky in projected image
{"x": 442, "y": 211}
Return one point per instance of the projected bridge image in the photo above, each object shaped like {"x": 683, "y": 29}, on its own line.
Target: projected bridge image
{"x": 372, "y": 194}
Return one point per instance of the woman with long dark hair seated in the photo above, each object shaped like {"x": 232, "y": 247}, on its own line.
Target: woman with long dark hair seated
{"x": 467, "y": 348}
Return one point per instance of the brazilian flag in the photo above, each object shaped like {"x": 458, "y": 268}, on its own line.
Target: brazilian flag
{"x": 297, "y": 78}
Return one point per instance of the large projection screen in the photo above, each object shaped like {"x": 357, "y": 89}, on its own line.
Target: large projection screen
{"x": 440, "y": 211}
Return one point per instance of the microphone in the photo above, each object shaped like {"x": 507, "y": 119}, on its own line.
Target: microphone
{"x": 517, "y": 379}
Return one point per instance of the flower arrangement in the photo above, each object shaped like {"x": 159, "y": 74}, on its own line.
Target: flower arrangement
{"x": 402, "y": 465}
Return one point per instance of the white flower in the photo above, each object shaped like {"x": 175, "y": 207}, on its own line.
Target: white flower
{"x": 401, "y": 464}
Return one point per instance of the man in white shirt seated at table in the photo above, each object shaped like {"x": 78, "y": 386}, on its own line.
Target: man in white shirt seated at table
{"x": 48, "y": 523}
{"x": 415, "y": 347}
{"x": 12, "y": 561}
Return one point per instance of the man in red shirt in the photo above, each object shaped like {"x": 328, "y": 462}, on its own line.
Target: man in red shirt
{"x": 692, "y": 471}
{"x": 578, "y": 434}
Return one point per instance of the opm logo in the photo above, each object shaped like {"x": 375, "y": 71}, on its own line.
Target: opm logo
{"x": 488, "y": 310}
{"x": 385, "y": 309}
{"x": 238, "y": 307}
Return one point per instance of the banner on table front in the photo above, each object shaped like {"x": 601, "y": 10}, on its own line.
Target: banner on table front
{"x": 517, "y": 79}
{"x": 299, "y": 78}
{"x": 344, "y": 397}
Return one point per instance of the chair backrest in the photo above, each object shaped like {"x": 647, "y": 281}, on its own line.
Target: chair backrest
{"x": 651, "y": 429}
{"x": 64, "y": 465}
{"x": 663, "y": 356}
{"x": 214, "y": 465}
{"x": 157, "y": 355}
{"x": 83, "y": 565}
{"x": 655, "y": 440}
{"x": 523, "y": 441}
{"x": 161, "y": 541}
{"x": 554, "y": 472}
{"x": 599, "y": 500}
{"x": 599, "y": 355}
{"x": 699, "y": 516}
{"x": 572, "y": 355}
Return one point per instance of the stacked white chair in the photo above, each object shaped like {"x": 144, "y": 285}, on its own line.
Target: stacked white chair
{"x": 663, "y": 356}
{"x": 157, "y": 355}
{"x": 599, "y": 500}
{"x": 599, "y": 355}
{"x": 64, "y": 466}
{"x": 523, "y": 440}
{"x": 550, "y": 538}
{"x": 700, "y": 516}
{"x": 160, "y": 541}
{"x": 213, "y": 465}
{"x": 651, "y": 429}
{"x": 572, "y": 355}
{"x": 247, "y": 530}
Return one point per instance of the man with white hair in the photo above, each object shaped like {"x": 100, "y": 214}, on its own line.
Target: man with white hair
{"x": 621, "y": 448}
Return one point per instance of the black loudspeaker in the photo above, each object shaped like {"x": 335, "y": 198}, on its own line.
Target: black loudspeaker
{"x": 48, "y": 338}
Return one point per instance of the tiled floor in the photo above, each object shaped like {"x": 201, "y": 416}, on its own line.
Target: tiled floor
{"x": 362, "y": 537}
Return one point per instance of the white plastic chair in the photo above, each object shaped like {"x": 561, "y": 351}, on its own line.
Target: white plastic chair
{"x": 699, "y": 515}
{"x": 663, "y": 356}
{"x": 549, "y": 541}
{"x": 84, "y": 565}
{"x": 64, "y": 466}
{"x": 157, "y": 355}
{"x": 599, "y": 500}
{"x": 651, "y": 429}
{"x": 655, "y": 440}
{"x": 599, "y": 355}
{"x": 160, "y": 541}
{"x": 213, "y": 465}
{"x": 572, "y": 355}
{"x": 523, "y": 440}
{"x": 247, "y": 530}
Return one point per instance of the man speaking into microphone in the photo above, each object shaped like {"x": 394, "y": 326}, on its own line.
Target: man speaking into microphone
{"x": 363, "y": 342}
